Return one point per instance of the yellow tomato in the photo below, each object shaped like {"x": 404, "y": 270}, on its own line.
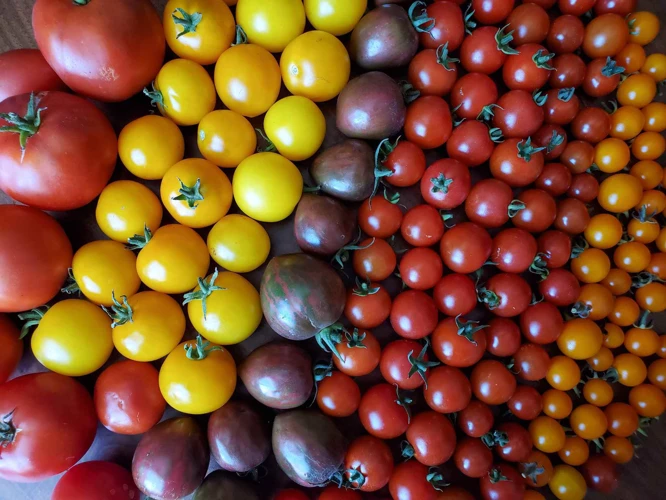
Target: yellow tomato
{"x": 238, "y": 243}
{"x": 604, "y": 231}
{"x": 655, "y": 66}
{"x": 648, "y": 146}
{"x": 655, "y": 117}
{"x": 199, "y": 30}
{"x": 337, "y": 17}
{"x": 613, "y": 336}
{"x": 72, "y": 338}
{"x": 149, "y": 145}
{"x": 637, "y": 90}
{"x": 247, "y": 78}
{"x": 267, "y": 187}
{"x": 598, "y": 392}
{"x": 124, "y": 208}
{"x": 591, "y": 266}
{"x": 197, "y": 377}
{"x": 611, "y": 155}
{"x": 296, "y": 127}
{"x": 643, "y": 229}
{"x": 649, "y": 172}
{"x": 196, "y": 193}
{"x": 588, "y": 422}
{"x": 147, "y": 326}
{"x": 271, "y": 25}
{"x": 598, "y": 300}
{"x": 632, "y": 256}
{"x": 653, "y": 201}
{"x": 183, "y": 91}
{"x": 643, "y": 27}
{"x": 104, "y": 267}
{"x": 617, "y": 281}
{"x": 661, "y": 240}
{"x": 547, "y": 434}
{"x": 172, "y": 259}
{"x": 601, "y": 361}
{"x": 226, "y": 138}
{"x": 626, "y": 123}
{"x": 652, "y": 297}
{"x": 619, "y": 193}
{"x": 224, "y": 308}
{"x": 567, "y": 483}
{"x": 580, "y": 339}
{"x": 315, "y": 65}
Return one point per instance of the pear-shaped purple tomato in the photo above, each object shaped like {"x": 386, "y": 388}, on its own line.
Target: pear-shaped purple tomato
{"x": 322, "y": 225}
{"x": 346, "y": 170}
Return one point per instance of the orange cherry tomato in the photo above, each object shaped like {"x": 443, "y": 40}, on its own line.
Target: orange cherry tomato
{"x": 657, "y": 265}
{"x": 547, "y": 434}
{"x": 611, "y": 155}
{"x": 591, "y": 266}
{"x": 643, "y": 27}
{"x": 597, "y": 299}
{"x": 648, "y": 400}
{"x": 625, "y": 311}
{"x": 598, "y": 392}
{"x": 642, "y": 342}
{"x": 643, "y": 229}
{"x": 655, "y": 117}
{"x": 652, "y": 297}
{"x": 613, "y": 336}
{"x": 657, "y": 373}
{"x": 580, "y": 338}
{"x": 630, "y": 368}
{"x": 556, "y": 404}
{"x": 660, "y": 242}
{"x": 637, "y": 90}
{"x": 588, "y": 422}
{"x": 603, "y": 231}
{"x": 619, "y": 449}
{"x": 617, "y": 281}
{"x": 563, "y": 373}
{"x": 575, "y": 451}
{"x": 631, "y": 58}
{"x": 649, "y": 172}
{"x": 622, "y": 419}
{"x": 627, "y": 122}
{"x": 601, "y": 361}
{"x": 632, "y": 256}
{"x": 619, "y": 193}
{"x": 648, "y": 146}
{"x": 655, "y": 66}
{"x": 653, "y": 200}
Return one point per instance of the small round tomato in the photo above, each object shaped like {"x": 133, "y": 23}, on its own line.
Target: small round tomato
{"x": 537, "y": 469}
{"x": 655, "y": 117}
{"x": 476, "y": 419}
{"x": 529, "y": 69}
{"x": 563, "y": 373}
{"x": 568, "y": 74}
{"x": 368, "y": 305}
{"x": 547, "y": 434}
{"x": 622, "y": 419}
{"x": 529, "y": 23}
{"x": 513, "y": 250}
{"x": 472, "y": 94}
{"x": 657, "y": 265}
{"x": 625, "y": 311}
{"x": 588, "y": 422}
{"x": 491, "y": 11}
{"x": 338, "y": 395}
{"x": 541, "y": 323}
{"x": 603, "y": 231}
{"x": 421, "y": 268}
{"x": 489, "y": 203}
{"x": 459, "y": 343}
{"x": 556, "y": 404}
{"x": 556, "y": 248}
{"x": 601, "y": 77}
{"x": 12, "y": 348}
{"x": 591, "y": 125}
{"x": 448, "y": 390}
{"x": 413, "y": 314}
{"x": 296, "y": 127}
{"x": 560, "y": 287}
{"x": 531, "y": 362}
{"x": 335, "y": 492}
{"x": 555, "y": 179}
{"x": 597, "y": 301}
{"x": 197, "y": 377}
{"x": 649, "y": 172}
{"x": 552, "y": 137}
{"x": 655, "y": 66}
{"x": 611, "y": 155}
{"x": 561, "y": 107}
{"x": 619, "y": 449}
{"x": 517, "y": 162}
{"x": 238, "y": 243}
{"x": 226, "y": 138}
{"x": 371, "y": 457}
{"x": 96, "y": 479}
{"x": 644, "y": 27}
{"x": 492, "y": 382}
{"x": 410, "y": 479}
{"x": 446, "y": 183}
{"x": 359, "y": 353}
{"x": 575, "y": 7}
{"x": 648, "y": 146}
{"x": 465, "y": 247}
{"x": 632, "y": 256}
{"x": 381, "y": 412}
{"x": 183, "y": 91}
{"x": 657, "y": 373}
{"x": 199, "y": 30}
{"x": 506, "y": 294}
{"x": 575, "y": 451}
{"x": 448, "y": 26}
{"x": 502, "y": 482}
{"x": 314, "y": 65}
{"x": 526, "y": 403}
{"x": 485, "y": 49}
{"x": 407, "y": 163}
{"x": 619, "y": 193}
{"x": 422, "y": 225}
{"x": 150, "y": 145}
{"x": 637, "y": 90}
{"x": 336, "y": 17}
{"x": 405, "y": 363}
{"x": 247, "y": 79}
{"x": 632, "y": 58}
{"x": 591, "y": 266}
{"x": 473, "y": 458}
{"x": 471, "y": 143}
{"x": 271, "y": 26}
{"x": 648, "y": 401}
{"x": 630, "y": 368}
{"x": 621, "y": 7}
{"x": 502, "y": 337}
{"x": 572, "y": 216}
{"x": 641, "y": 341}
{"x": 565, "y": 34}
{"x": 578, "y": 156}
{"x": 432, "y": 438}
{"x": 72, "y": 338}
{"x": 376, "y": 260}
{"x": 536, "y": 210}
{"x": 428, "y": 122}
{"x": 433, "y": 71}
{"x": 660, "y": 242}
{"x": 626, "y": 123}
{"x": 605, "y": 36}
{"x": 613, "y": 336}
{"x": 567, "y": 483}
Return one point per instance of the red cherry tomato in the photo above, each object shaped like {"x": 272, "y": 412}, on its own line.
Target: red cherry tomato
{"x": 465, "y": 247}
{"x": 446, "y": 183}
{"x": 448, "y": 390}
{"x": 338, "y": 395}
{"x": 413, "y": 314}
{"x": 491, "y": 11}
{"x": 473, "y": 458}
{"x": 371, "y": 457}
{"x": 506, "y": 294}
{"x": 502, "y": 337}
{"x": 378, "y": 217}
{"x": 572, "y": 216}
{"x": 432, "y": 438}
{"x": 517, "y": 115}
{"x": 565, "y": 34}
{"x": 568, "y": 72}
{"x": 601, "y": 77}
{"x": 514, "y": 250}
{"x": 476, "y": 419}
{"x": 433, "y": 72}
{"x": 578, "y": 156}
{"x": 447, "y": 26}
{"x": 591, "y": 124}
{"x": 376, "y": 261}
{"x": 402, "y": 364}
{"x": 553, "y": 138}
{"x": 428, "y": 122}
{"x": 407, "y": 162}
{"x": 529, "y": 69}
{"x": 560, "y": 287}
{"x": 621, "y": 7}
{"x": 526, "y": 403}
{"x": 531, "y": 362}
{"x": 457, "y": 342}
{"x": 471, "y": 94}
{"x": 541, "y": 323}
{"x": 492, "y": 382}
{"x": 409, "y": 479}
{"x": 359, "y": 353}
{"x": 514, "y": 443}
{"x": 485, "y": 49}
{"x": 380, "y": 414}
{"x": 575, "y": 7}
{"x": 503, "y": 482}
{"x": 489, "y": 203}
{"x": 537, "y": 211}
{"x": 98, "y": 480}
{"x": 470, "y": 143}
{"x": 517, "y": 162}
{"x": 561, "y": 106}
{"x": 555, "y": 179}
{"x": 368, "y": 305}
{"x": 529, "y": 23}
{"x": 601, "y": 473}
{"x": 422, "y": 226}
{"x": 421, "y": 268}
{"x": 584, "y": 187}
{"x": 555, "y": 247}
{"x": 455, "y": 294}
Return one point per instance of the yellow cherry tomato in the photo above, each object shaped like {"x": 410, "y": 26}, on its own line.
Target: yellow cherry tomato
{"x": 196, "y": 193}
{"x": 271, "y": 25}
{"x": 655, "y": 66}
{"x": 588, "y": 422}
{"x": 649, "y": 172}
{"x": 557, "y": 404}
{"x": 267, "y": 187}
{"x": 655, "y": 117}
{"x": 580, "y": 338}
{"x": 619, "y": 449}
{"x": 247, "y": 79}
{"x": 653, "y": 201}
{"x": 617, "y": 281}
{"x": 625, "y": 311}
{"x": 226, "y": 138}
{"x": 630, "y": 368}
{"x": 643, "y": 27}
{"x": 104, "y": 267}
{"x": 172, "y": 259}
{"x": 652, "y": 297}
{"x": 567, "y": 483}
{"x": 183, "y": 91}
{"x": 632, "y": 256}
{"x": 150, "y": 145}
{"x": 657, "y": 265}
{"x": 613, "y": 336}
{"x": 657, "y": 373}
{"x": 591, "y": 266}
{"x": 619, "y": 193}
{"x": 643, "y": 229}
{"x": 315, "y": 65}
{"x": 547, "y": 434}
{"x": 661, "y": 240}
{"x": 296, "y": 127}
{"x": 147, "y": 326}
{"x": 648, "y": 401}
{"x": 197, "y": 377}
{"x": 224, "y": 308}
{"x": 597, "y": 301}
{"x": 199, "y": 30}
{"x": 337, "y": 17}
{"x": 637, "y": 90}
{"x": 611, "y": 155}
{"x": 631, "y": 58}
{"x": 238, "y": 243}
{"x": 563, "y": 373}
{"x": 575, "y": 451}
{"x": 648, "y": 146}
{"x": 124, "y": 208}
{"x": 626, "y": 123}
{"x": 602, "y": 360}
{"x": 642, "y": 341}
{"x": 598, "y": 392}
{"x": 603, "y": 231}
{"x": 72, "y": 338}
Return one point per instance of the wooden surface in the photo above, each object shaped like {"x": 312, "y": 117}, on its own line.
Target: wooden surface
{"x": 641, "y": 479}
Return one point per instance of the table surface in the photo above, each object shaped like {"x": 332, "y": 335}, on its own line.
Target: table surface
{"x": 641, "y": 478}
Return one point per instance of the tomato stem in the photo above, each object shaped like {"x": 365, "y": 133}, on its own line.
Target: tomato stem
{"x": 205, "y": 291}
{"x": 364, "y": 288}
{"x": 200, "y": 350}
{"x": 542, "y": 58}
{"x": 71, "y": 286}
{"x": 120, "y": 313}
{"x": 269, "y": 147}
{"x": 421, "y": 22}
{"x": 468, "y": 328}
{"x": 8, "y": 430}
{"x": 487, "y": 112}
{"x": 189, "y": 22}
{"x": 436, "y": 479}
{"x": 384, "y": 149}
{"x": 156, "y": 97}
{"x": 611, "y": 68}
{"x": 189, "y": 194}
{"x": 526, "y": 150}
{"x": 539, "y": 98}
{"x": 330, "y": 337}
{"x": 440, "y": 184}
{"x": 470, "y": 24}
{"x": 137, "y": 242}
{"x": 488, "y": 297}
{"x": 32, "y": 318}
{"x": 405, "y": 402}
{"x": 644, "y": 320}
{"x": 320, "y": 371}
{"x": 495, "y": 438}
{"x": 532, "y": 471}
{"x": 81, "y": 2}
{"x": 406, "y": 450}
{"x": 555, "y": 141}
{"x": 581, "y": 310}
{"x": 26, "y": 126}
{"x": 241, "y": 36}
{"x": 342, "y": 255}
{"x": 443, "y": 57}
{"x": 566, "y": 94}
{"x": 503, "y": 40}
{"x": 496, "y": 476}
{"x": 514, "y": 207}
{"x": 420, "y": 365}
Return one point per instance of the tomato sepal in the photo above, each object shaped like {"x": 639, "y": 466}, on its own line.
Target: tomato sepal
{"x": 120, "y": 313}
{"x": 420, "y": 365}
{"x": 205, "y": 290}
{"x": 8, "y": 430}
{"x": 26, "y": 126}
{"x": 31, "y": 318}
{"x": 189, "y": 22}
{"x": 189, "y": 194}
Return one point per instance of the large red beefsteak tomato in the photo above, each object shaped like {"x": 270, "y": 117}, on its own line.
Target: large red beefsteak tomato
{"x": 26, "y": 70}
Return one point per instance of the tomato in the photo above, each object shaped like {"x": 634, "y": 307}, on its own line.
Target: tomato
{"x": 619, "y": 193}
{"x": 578, "y": 156}
{"x": 471, "y": 143}
{"x": 413, "y": 314}
{"x": 409, "y": 480}
{"x": 517, "y": 162}
{"x": 655, "y": 66}
{"x": 538, "y": 210}
{"x": 271, "y": 26}
{"x": 473, "y": 458}
{"x": 336, "y": 17}
{"x": 644, "y": 27}
{"x": 655, "y": 117}
{"x": 512, "y": 441}
{"x": 485, "y": 49}
{"x": 630, "y": 368}
{"x": 127, "y": 397}
{"x": 625, "y": 311}
{"x": 626, "y": 123}
{"x": 506, "y": 294}
{"x": 560, "y": 108}
{"x": 584, "y": 187}
{"x": 24, "y": 71}
{"x": 431, "y": 437}
{"x": 588, "y": 422}
{"x": 433, "y": 71}
{"x": 567, "y": 483}
{"x": 448, "y": 26}
{"x": 35, "y": 254}
{"x": 106, "y": 50}
{"x": 575, "y": 451}
{"x": 314, "y": 65}
{"x": 591, "y": 125}
{"x": 459, "y": 343}
{"x": 428, "y": 122}
{"x": 613, "y": 336}
{"x": 12, "y": 348}
{"x": 529, "y": 69}
{"x": 446, "y": 183}
{"x": 476, "y": 419}
{"x": 572, "y": 216}
{"x": 199, "y": 30}
{"x": 50, "y": 423}
{"x": 502, "y": 482}
{"x": 368, "y": 305}
{"x": 563, "y": 373}
{"x": 622, "y": 419}
{"x": 360, "y": 353}
{"x": 648, "y": 146}
{"x": 448, "y": 390}
{"x": 637, "y": 90}
{"x": 502, "y": 337}
{"x": 575, "y": 7}
{"x": 568, "y": 74}
{"x": 596, "y": 301}
{"x": 407, "y": 163}
{"x": 591, "y": 265}
{"x": 556, "y": 404}
{"x": 603, "y": 231}
{"x": 530, "y": 24}
{"x": 489, "y": 203}
{"x": 375, "y": 261}
{"x": 648, "y": 172}
{"x": 422, "y": 225}
{"x": 372, "y": 458}
{"x": 621, "y": 7}
{"x": 602, "y": 77}
{"x": 472, "y": 94}
{"x": 648, "y": 401}
{"x": 96, "y": 479}
{"x": 661, "y": 240}
{"x": 619, "y": 449}
{"x": 541, "y": 323}
{"x": 565, "y": 34}
{"x": 632, "y": 256}
{"x": 605, "y": 36}
{"x": 531, "y": 362}
{"x": 526, "y": 403}
{"x": 381, "y": 413}
{"x": 553, "y": 138}
{"x": 657, "y": 373}
{"x": 513, "y": 250}
{"x": 547, "y": 434}
{"x": 291, "y": 494}
{"x": 641, "y": 341}
{"x": 405, "y": 363}
{"x": 492, "y": 382}
{"x": 556, "y": 247}
{"x": 226, "y": 138}
{"x": 238, "y": 243}
{"x": 632, "y": 58}
{"x": 338, "y": 395}
{"x": 537, "y": 469}
{"x": 560, "y": 287}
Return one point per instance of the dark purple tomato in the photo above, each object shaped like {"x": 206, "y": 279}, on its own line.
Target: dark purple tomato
{"x": 345, "y": 171}
{"x": 322, "y": 225}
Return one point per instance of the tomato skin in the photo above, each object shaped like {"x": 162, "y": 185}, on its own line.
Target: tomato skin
{"x": 422, "y": 226}
{"x": 556, "y": 246}
{"x": 565, "y": 34}
{"x": 470, "y": 143}
{"x": 452, "y": 346}
{"x": 358, "y": 361}
{"x": 491, "y": 11}
{"x": 567, "y": 483}
{"x": 541, "y": 323}
{"x": 337, "y": 17}
{"x": 521, "y": 72}
{"x": 488, "y": 203}
{"x": 596, "y": 84}
{"x": 12, "y": 348}
{"x": 513, "y": 487}
{"x": 338, "y": 395}
{"x": 473, "y": 458}
{"x": 601, "y": 473}
{"x": 67, "y": 162}
{"x": 621, "y": 7}
{"x": 57, "y": 421}
{"x": 572, "y": 216}
{"x": 479, "y": 52}
{"x": 584, "y": 187}
{"x": 519, "y": 443}
{"x": 376, "y": 262}
{"x": 555, "y": 179}
{"x": 428, "y": 122}
{"x": 433, "y": 438}
{"x": 429, "y": 76}
{"x": 558, "y": 111}
{"x": 372, "y": 457}
{"x": 413, "y": 314}
{"x": 24, "y": 71}
{"x": 492, "y": 382}
{"x": 448, "y": 390}
{"x": 556, "y": 404}
{"x": 568, "y": 72}
{"x": 538, "y": 213}
{"x": 560, "y": 287}
{"x": 465, "y": 247}
{"x": 514, "y": 250}
{"x": 448, "y": 27}
{"x": 578, "y": 156}
{"x": 591, "y": 124}
{"x": 502, "y": 337}
{"x": 531, "y": 362}
{"x": 380, "y": 415}
{"x": 455, "y": 294}
{"x": 517, "y": 115}
{"x": 291, "y": 494}
{"x": 544, "y": 137}
{"x": 107, "y": 50}
{"x": 271, "y": 26}
{"x": 96, "y": 479}
{"x": 510, "y": 294}
{"x": 530, "y": 23}
{"x": 446, "y": 183}
{"x": 395, "y": 365}
{"x": 471, "y": 93}
{"x": 368, "y": 311}
{"x": 476, "y": 419}
{"x": 408, "y": 480}
{"x": 379, "y": 218}
{"x": 605, "y": 36}
{"x": 547, "y": 434}
{"x": 526, "y": 403}
{"x": 407, "y": 162}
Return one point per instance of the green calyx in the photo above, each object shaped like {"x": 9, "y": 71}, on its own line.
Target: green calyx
{"x": 189, "y": 194}
{"x": 470, "y": 24}
{"x": 532, "y": 471}
{"x": 81, "y": 2}
{"x": 487, "y": 112}
{"x": 420, "y": 364}
{"x": 539, "y": 97}
{"x": 503, "y": 40}
{"x": 137, "y": 242}
{"x": 642, "y": 215}
{"x": 469, "y": 328}
{"x": 542, "y": 59}
{"x": 443, "y": 57}
{"x": 351, "y": 479}
{"x": 488, "y": 297}
{"x": 320, "y": 371}
{"x": 514, "y": 207}
{"x": 342, "y": 255}
{"x": 440, "y": 184}
{"x": 71, "y": 286}
{"x": 409, "y": 93}
{"x": 579, "y": 246}
{"x": 355, "y": 339}
{"x": 32, "y": 318}
{"x": 384, "y": 149}
{"x": 555, "y": 141}
{"x": 404, "y": 401}
{"x": 436, "y": 479}
{"x": 644, "y": 321}
{"x": 611, "y": 375}
{"x": 611, "y": 68}
{"x": 188, "y": 22}
{"x": 495, "y": 438}
{"x": 526, "y": 150}
{"x": 580, "y": 310}
{"x": 364, "y": 288}
{"x": 269, "y": 147}
{"x": 200, "y": 349}
{"x": 420, "y": 20}
{"x": 8, "y": 430}
{"x": 406, "y": 450}
{"x": 610, "y": 107}
{"x": 539, "y": 266}
{"x": 156, "y": 97}
{"x": 241, "y": 37}
{"x": 25, "y": 126}
{"x": 495, "y": 476}
{"x": 566, "y": 94}
{"x": 206, "y": 288}
{"x": 495, "y": 135}
{"x": 119, "y": 313}
{"x": 329, "y": 338}
{"x": 643, "y": 278}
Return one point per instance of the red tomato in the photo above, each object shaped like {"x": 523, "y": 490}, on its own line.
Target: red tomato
{"x": 531, "y": 362}
{"x": 489, "y": 204}
{"x": 455, "y": 294}
{"x": 338, "y": 395}
{"x": 378, "y": 217}
{"x": 421, "y": 268}
{"x": 49, "y": 423}
{"x": 517, "y": 114}
{"x": 602, "y": 77}
{"x": 413, "y": 314}
{"x": 407, "y": 162}
{"x": 465, "y": 247}
{"x": 541, "y": 323}
{"x": 553, "y": 138}
{"x": 572, "y": 216}
{"x": 470, "y": 143}
{"x": 409, "y": 480}
{"x": 517, "y": 162}
{"x": 605, "y": 35}
{"x": 584, "y": 187}
{"x": 34, "y": 257}
{"x": 529, "y": 23}
{"x": 502, "y": 337}
{"x": 405, "y": 363}
{"x": 12, "y": 348}
{"x": 448, "y": 390}
{"x": 556, "y": 248}
{"x": 376, "y": 261}
{"x": 459, "y": 343}
{"x": 433, "y": 72}
{"x": 428, "y": 122}
{"x": 575, "y": 7}
{"x": 561, "y": 106}
{"x": 471, "y": 94}
{"x": 380, "y": 413}
{"x": 473, "y": 458}
{"x": 514, "y": 250}
{"x": 529, "y": 69}
{"x": 506, "y": 294}
{"x": 555, "y": 179}
{"x": 98, "y": 480}
{"x": 591, "y": 124}
{"x": 526, "y": 403}
{"x": 565, "y": 34}
{"x": 537, "y": 210}
{"x": 107, "y": 49}
{"x": 422, "y": 226}
{"x": 25, "y": 70}
{"x": 66, "y": 161}
{"x": 368, "y": 305}
{"x": 446, "y": 183}
{"x": 485, "y": 49}
{"x": 447, "y": 26}
{"x": 568, "y": 72}
{"x": 621, "y": 7}
{"x": 432, "y": 438}
{"x": 359, "y": 353}
{"x": 491, "y": 11}
{"x": 476, "y": 419}
{"x": 503, "y": 482}
{"x": 560, "y": 287}
{"x": 492, "y": 382}
{"x": 601, "y": 473}
{"x": 513, "y": 442}
{"x": 371, "y": 457}
{"x": 128, "y": 398}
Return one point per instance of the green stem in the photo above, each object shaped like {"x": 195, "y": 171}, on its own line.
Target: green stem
{"x": 405, "y": 402}
{"x": 241, "y": 37}
{"x": 443, "y": 57}
{"x": 189, "y": 22}
{"x": 436, "y": 479}
{"x": 137, "y": 242}
{"x": 342, "y": 255}
{"x": 189, "y": 194}
{"x": 120, "y": 313}
{"x": 71, "y": 286}
{"x": 156, "y": 97}
{"x": 526, "y": 150}
{"x": 364, "y": 288}
{"x": 26, "y": 126}
{"x": 514, "y": 207}
{"x": 205, "y": 290}
{"x": 420, "y": 365}
{"x": 8, "y": 430}
{"x": 440, "y": 184}
{"x": 504, "y": 39}
{"x": 532, "y": 471}
{"x": 32, "y": 318}
{"x": 81, "y": 2}
{"x": 200, "y": 349}
{"x": 269, "y": 147}
{"x": 421, "y": 22}
{"x": 329, "y": 338}
{"x": 469, "y": 328}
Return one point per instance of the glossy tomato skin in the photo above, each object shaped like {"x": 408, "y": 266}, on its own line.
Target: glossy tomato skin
{"x": 407, "y": 162}
{"x": 572, "y": 216}
{"x": 584, "y": 187}
{"x": 476, "y": 419}
{"x": 471, "y": 93}
{"x": 531, "y": 362}
{"x": 492, "y": 382}
{"x": 601, "y": 473}
{"x": 509, "y": 294}
{"x": 408, "y": 481}
{"x": 372, "y": 457}
{"x": 108, "y": 50}
{"x": 379, "y": 413}
{"x": 422, "y": 226}
{"x": 555, "y": 179}
{"x": 57, "y": 423}
{"x": 529, "y": 23}
{"x": 36, "y": 254}
{"x": 358, "y": 361}
{"x": 421, "y": 268}
{"x": 591, "y": 124}
{"x": 376, "y": 261}
{"x": 538, "y": 212}
{"x": 526, "y": 403}
{"x": 429, "y": 76}
{"x": 541, "y": 323}
{"x": 448, "y": 26}
{"x": 413, "y": 314}
{"x": 473, "y": 458}
{"x": 453, "y": 346}
{"x": 448, "y": 390}
{"x": 379, "y": 217}
{"x": 465, "y": 247}
{"x": 96, "y": 479}
{"x": 491, "y": 11}
{"x": 433, "y": 438}
{"x": 560, "y": 111}
{"x": 519, "y": 443}
{"x": 565, "y": 34}
{"x": 67, "y": 162}
{"x": 338, "y": 395}
{"x": 560, "y": 287}
{"x": 488, "y": 203}
{"x": 24, "y": 71}
{"x": 502, "y": 337}
{"x": 545, "y": 137}
{"x": 605, "y": 35}
{"x": 521, "y": 72}
{"x": 517, "y": 115}
{"x": 556, "y": 247}
{"x": 621, "y": 7}
{"x": 512, "y": 487}
{"x": 395, "y": 365}
{"x": 514, "y": 250}
{"x": 368, "y": 310}
{"x": 479, "y": 51}
{"x": 568, "y": 72}
{"x": 455, "y": 294}
{"x": 12, "y": 348}
{"x": 470, "y": 143}
{"x": 428, "y": 122}
{"x": 446, "y": 183}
